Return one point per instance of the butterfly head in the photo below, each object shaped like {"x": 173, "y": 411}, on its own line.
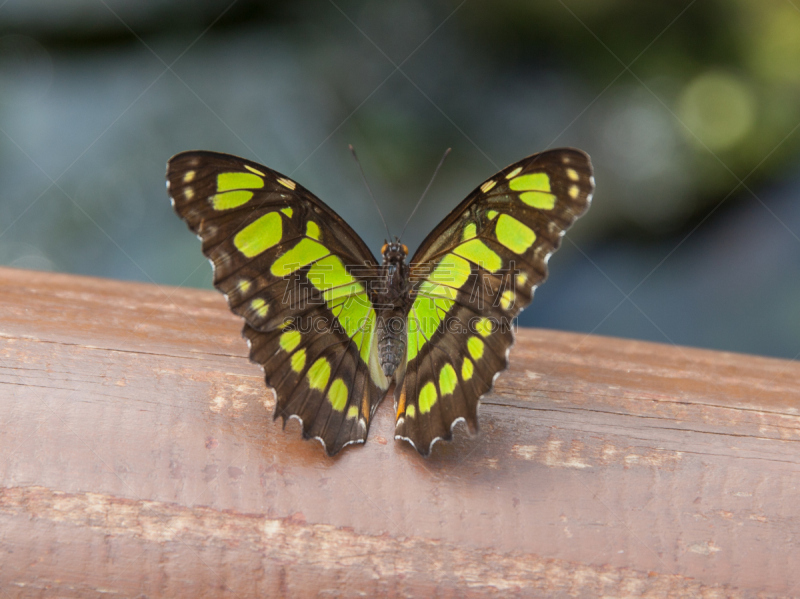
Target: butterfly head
{"x": 394, "y": 252}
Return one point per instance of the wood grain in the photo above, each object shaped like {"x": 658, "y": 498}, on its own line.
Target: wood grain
{"x": 138, "y": 457}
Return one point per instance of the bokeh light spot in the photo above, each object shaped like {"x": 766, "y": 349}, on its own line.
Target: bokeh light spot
{"x": 718, "y": 109}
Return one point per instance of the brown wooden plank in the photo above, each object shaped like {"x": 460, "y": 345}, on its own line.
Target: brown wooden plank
{"x": 138, "y": 456}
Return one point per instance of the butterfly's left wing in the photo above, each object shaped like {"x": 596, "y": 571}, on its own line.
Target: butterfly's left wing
{"x": 300, "y": 277}
{"x": 471, "y": 276}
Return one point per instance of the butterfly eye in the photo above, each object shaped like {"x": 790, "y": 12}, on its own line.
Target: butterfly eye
{"x": 405, "y": 249}
{"x": 383, "y": 249}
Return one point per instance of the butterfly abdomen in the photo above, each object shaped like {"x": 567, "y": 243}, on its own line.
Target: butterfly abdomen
{"x": 392, "y": 339}
{"x": 392, "y": 302}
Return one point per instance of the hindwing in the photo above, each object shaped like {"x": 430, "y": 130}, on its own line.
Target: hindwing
{"x": 300, "y": 278}
{"x": 471, "y": 276}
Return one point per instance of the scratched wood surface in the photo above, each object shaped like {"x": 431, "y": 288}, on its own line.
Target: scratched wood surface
{"x": 138, "y": 457}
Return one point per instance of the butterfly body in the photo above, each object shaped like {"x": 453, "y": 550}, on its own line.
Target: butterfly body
{"x": 393, "y": 301}
{"x": 332, "y": 328}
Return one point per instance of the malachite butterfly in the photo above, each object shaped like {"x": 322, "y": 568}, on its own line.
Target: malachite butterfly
{"x": 333, "y": 327}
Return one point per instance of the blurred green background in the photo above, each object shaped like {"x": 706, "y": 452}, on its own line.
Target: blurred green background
{"x": 690, "y": 111}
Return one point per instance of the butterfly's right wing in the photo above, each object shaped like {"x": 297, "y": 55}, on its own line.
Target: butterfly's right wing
{"x": 300, "y": 277}
{"x": 472, "y": 275}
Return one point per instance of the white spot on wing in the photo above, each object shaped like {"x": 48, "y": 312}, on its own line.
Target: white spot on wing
{"x": 488, "y": 185}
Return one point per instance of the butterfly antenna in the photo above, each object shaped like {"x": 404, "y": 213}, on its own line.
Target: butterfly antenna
{"x": 441, "y": 162}
{"x": 364, "y": 177}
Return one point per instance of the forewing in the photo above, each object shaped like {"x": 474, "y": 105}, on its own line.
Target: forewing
{"x": 300, "y": 278}
{"x": 471, "y": 276}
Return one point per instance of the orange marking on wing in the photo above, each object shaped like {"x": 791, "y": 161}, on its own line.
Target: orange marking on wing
{"x": 401, "y": 404}
{"x": 365, "y": 404}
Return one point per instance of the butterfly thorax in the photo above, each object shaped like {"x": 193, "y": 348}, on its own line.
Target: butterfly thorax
{"x": 392, "y": 303}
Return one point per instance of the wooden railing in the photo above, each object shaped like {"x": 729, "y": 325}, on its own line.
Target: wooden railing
{"x": 138, "y": 457}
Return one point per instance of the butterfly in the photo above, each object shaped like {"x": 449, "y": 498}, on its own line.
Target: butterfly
{"x": 333, "y": 327}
